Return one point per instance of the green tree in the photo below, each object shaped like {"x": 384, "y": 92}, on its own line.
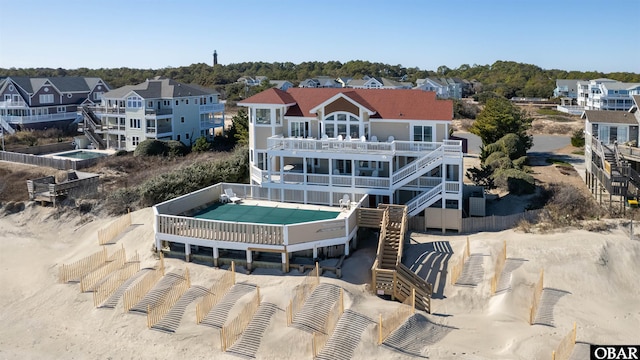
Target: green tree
{"x": 201, "y": 145}
{"x": 499, "y": 118}
{"x": 239, "y": 130}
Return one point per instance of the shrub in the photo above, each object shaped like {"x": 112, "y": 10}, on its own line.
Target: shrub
{"x": 515, "y": 181}
{"x": 520, "y": 162}
{"x": 201, "y": 145}
{"x": 577, "y": 139}
{"x": 122, "y": 153}
{"x": 176, "y": 148}
{"x": 498, "y": 160}
{"x": 151, "y": 147}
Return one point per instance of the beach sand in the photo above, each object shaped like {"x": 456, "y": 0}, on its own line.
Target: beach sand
{"x": 592, "y": 279}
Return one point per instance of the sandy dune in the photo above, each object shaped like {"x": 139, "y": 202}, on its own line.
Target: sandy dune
{"x": 590, "y": 278}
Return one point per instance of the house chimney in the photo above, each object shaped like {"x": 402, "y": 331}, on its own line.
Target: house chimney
{"x": 215, "y": 58}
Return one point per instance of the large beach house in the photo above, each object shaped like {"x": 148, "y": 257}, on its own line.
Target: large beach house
{"x": 325, "y": 162}
{"x": 41, "y": 102}
{"x": 158, "y": 108}
{"x": 390, "y": 144}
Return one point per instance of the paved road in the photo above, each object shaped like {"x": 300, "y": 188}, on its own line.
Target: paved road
{"x": 541, "y": 143}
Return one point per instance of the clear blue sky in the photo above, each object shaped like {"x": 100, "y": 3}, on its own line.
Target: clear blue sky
{"x": 583, "y": 35}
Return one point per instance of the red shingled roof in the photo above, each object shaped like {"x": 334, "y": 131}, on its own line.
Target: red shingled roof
{"x": 387, "y": 103}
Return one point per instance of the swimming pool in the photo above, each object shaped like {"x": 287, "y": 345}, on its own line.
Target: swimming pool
{"x": 263, "y": 214}
{"x": 82, "y": 154}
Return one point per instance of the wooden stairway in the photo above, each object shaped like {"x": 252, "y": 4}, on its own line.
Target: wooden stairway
{"x": 389, "y": 276}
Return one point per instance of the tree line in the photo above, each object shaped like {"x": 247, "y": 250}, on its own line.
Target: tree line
{"x": 505, "y": 78}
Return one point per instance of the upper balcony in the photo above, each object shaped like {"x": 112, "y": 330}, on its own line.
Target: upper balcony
{"x": 158, "y": 113}
{"x": 211, "y": 108}
{"x": 31, "y": 119}
{"x": 11, "y": 104}
{"x": 107, "y": 110}
{"x": 362, "y": 146}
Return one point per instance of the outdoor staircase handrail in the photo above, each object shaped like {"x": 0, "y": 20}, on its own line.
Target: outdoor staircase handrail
{"x": 424, "y": 200}
{"x": 405, "y": 172}
{"x": 383, "y": 235}
{"x": 6, "y": 126}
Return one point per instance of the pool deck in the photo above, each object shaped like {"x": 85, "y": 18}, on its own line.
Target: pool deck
{"x": 266, "y": 203}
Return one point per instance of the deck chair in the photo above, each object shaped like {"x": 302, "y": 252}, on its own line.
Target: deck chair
{"x": 232, "y": 196}
{"x": 345, "y": 203}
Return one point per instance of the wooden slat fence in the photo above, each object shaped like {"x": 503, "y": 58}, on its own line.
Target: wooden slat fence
{"x": 133, "y": 295}
{"x": 500, "y": 261}
{"x": 107, "y": 234}
{"x": 216, "y": 293}
{"x": 320, "y": 339}
{"x": 168, "y": 300}
{"x": 108, "y": 287}
{"x": 566, "y": 345}
{"x": 76, "y": 270}
{"x": 456, "y": 269}
{"x": 498, "y": 223}
{"x": 302, "y": 292}
{"x": 60, "y": 164}
{"x": 115, "y": 262}
{"x": 390, "y": 323}
{"x": 230, "y": 333}
{"x": 537, "y": 294}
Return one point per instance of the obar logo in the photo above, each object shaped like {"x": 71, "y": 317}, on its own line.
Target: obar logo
{"x": 628, "y": 352}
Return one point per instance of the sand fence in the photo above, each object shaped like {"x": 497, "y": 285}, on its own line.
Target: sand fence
{"x": 500, "y": 261}
{"x": 537, "y": 295}
{"x": 456, "y": 269}
{"x": 114, "y": 262}
{"x": 105, "y": 289}
{"x": 134, "y": 294}
{"x": 230, "y": 332}
{"x": 566, "y": 345}
{"x": 156, "y": 312}
{"x": 110, "y": 232}
{"x": 76, "y": 270}
{"x": 320, "y": 339}
{"x": 390, "y": 323}
{"x": 302, "y": 293}
{"x": 216, "y": 293}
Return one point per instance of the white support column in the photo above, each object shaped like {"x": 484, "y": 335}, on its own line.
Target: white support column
{"x": 216, "y": 255}
{"x": 315, "y": 252}
{"x": 249, "y": 260}
{"x": 187, "y": 252}
{"x": 285, "y": 262}
{"x": 346, "y": 248}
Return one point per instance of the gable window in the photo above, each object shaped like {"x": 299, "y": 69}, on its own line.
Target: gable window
{"x": 342, "y": 124}
{"x": 263, "y": 116}
{"x": 46, "y": 99}
{"x": 134, "y": 102}
{"x": 422, "y": 133}
{"x": 181, "y": 119}
{"x": 187, "y": 101}
{"x": 96, "y": 95}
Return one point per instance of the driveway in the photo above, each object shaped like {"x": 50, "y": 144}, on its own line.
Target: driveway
{"x": 541, "y": 143}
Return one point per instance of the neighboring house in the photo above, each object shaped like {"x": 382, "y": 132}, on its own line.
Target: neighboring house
{"x": 159, "y": 108}
{"x": 390, "y": 144}
{"x": 607, "y": 94}
{"x": 320, "y": 82}
{"x": 41, "y": 102}
{"x": 566, "y": 88}
{"x": 445, "y": 88}
{"x": 249, "y": 81}
{"x": 612, "y": 157}
{"x": 369, "y": 82}
{"x": 283, "y": 85}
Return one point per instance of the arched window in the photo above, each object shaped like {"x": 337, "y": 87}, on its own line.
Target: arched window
{"x": 342, "y": 123}
{"x": 134, "y": 102}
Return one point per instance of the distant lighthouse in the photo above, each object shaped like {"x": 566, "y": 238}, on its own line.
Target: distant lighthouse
{"x": 215, "y": 58}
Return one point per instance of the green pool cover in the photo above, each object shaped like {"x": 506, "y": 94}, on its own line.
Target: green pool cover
{"x": 263, "y": 214}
